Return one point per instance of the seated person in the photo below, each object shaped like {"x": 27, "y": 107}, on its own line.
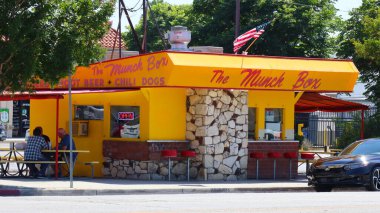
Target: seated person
{"x": 32, "y": 152}
{"x": 64, "y": 144}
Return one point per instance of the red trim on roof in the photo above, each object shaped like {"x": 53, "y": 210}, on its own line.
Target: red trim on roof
{"x": 311, "y": 102}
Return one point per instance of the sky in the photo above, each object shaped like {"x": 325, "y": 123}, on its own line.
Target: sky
{"x": 342, "y": 5}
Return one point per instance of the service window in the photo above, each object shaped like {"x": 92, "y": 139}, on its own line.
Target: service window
{"x": 273, "y": 123}
{"x": 88, "y": 112}
{"x": 125, "y": 121}
{"x": 251, "y": 123}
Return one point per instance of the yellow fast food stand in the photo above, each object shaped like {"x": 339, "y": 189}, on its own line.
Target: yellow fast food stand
{"x": 221, "y": 106}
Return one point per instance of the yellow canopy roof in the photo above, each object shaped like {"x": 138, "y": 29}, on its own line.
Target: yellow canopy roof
{"x": 188, "y": 69}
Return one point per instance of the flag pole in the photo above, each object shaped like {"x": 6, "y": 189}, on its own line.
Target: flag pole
{"x": 246, "y": 50}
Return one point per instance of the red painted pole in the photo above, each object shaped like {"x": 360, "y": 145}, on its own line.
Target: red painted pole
{"x": 362, "y": 127}
{"x": 56, "y": 138}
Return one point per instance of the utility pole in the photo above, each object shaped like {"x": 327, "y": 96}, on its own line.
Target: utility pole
{"x": 119, "y": 28}
{"x": 143, "y": 45}
{"x": 237, "y": 18}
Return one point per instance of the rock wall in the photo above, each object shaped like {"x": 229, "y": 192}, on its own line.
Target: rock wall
{"x": 217, "y": 126}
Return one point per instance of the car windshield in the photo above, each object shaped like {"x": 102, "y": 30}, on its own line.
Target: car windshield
{"x": 362, "y": 147}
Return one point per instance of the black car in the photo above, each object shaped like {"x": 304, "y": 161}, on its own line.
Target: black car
{"x": 357, "y": 165}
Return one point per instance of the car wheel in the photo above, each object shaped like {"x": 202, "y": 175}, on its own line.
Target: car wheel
{"x": 374, "y": 184}
{"x": 323, "y": 188}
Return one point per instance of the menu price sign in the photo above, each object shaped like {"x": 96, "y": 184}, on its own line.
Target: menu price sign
{"x": 126, "y": 116}
{"x": 4, "y": 115}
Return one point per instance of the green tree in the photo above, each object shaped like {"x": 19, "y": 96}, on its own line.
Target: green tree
{"x": 47, "y": 38}
{"x": 360, "y": 40}
{"x": 300, "y": 28}
{"x": 166, "y": 16}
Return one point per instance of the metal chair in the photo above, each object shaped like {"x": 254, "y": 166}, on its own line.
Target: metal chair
{"x": 290, "y": 156}
{"x": 169, "y": 153}
{"x": 274, "y": 156}
{"x": 257, "y": 156}
{"x": 188, "y": 154}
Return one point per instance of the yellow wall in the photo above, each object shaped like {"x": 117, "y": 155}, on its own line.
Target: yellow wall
{"x": 162, "y": 116}
{"x": 262, "y": 100}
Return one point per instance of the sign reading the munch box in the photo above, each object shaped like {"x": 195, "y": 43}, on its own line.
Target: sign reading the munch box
{"x": 178, "y": 69}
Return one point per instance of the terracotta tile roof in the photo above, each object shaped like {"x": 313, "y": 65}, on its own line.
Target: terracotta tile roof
{"x": 108, "y": 40}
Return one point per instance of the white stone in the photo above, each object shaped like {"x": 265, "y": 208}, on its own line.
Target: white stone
{"x": 188, "y": 117}
{"x": 212, "y": 94}
{"x": 201, "y": 109}
{"x": 194, "y": 99}
{"x": 234, "y": 168}
{"x": 231, "y": 178}
{"x": 179, "y": 169}
{"x": 201, "y": 91}
{"x": 164, "y": 171}
{"x": 201, "y": 131}
{"x": 210, "y": 150}
{"x": 210, "y": 170}
{"x": 226, "y": 154}
{"x": 222, "y": 119}
{"x": 238, "y": 111}
{"x": 194, "y": 144}
{"x": 209, "y": 161}
{"x": 143, "y": 165}
{"x": 192, "y": 110}
{"x": 190, "y": 135}
{"x": 208, "y": 120}
{"x": 190, "y": 126}
{"x": 212, "y": 131}
{"x": 218, "y": 158}
{"x": 207, "y": 140}
{"x": 231, "y": 124}
{"x": 228, "y": 115}
{"x": 239, "y": 127}
{"x": 244, "y": 144}
{"x": 210, "y": 110}
{"x": 216, "y": 113}
{"x": 223, "y": 128}
{"x": 243, "y": 151}
{"x": 232, "y": 108}
{"x": 152, "y": 167}
{"x": 198, "y": 122}
{"x": 130, "y": 171}
{"x": 215, "y": 139}
{"x": 231, "y": 132}
{"x": 234, "y": 102}
{"x": 193, "y": 172}
{"x": 220, "y": 93}
{"x": 225, "y": 108}
{"x": 202, "y": 150}
{"x": 138, "y": 170}
{"x": 190, "y": 92}
{"x": 245, "y": 127}
{"x": 230, "y": 161}
{"x": 236, "y": 93}
{"x": 223, "y": 136}
{"x": 234, "y": 149}
{"x": 244, "y": 162}
{"x": 216, "y": 164}
{"x": 219, "y": 105}
{"x": 116, "y": 163}
{"x": 242, "y": 134}
{"x": 224, "y": 169}
{"x": 243, "y": 99}
{"x": 226, "y": 99}
{"x": 244, "y": 110}
{"x": 240, "y": 119}
{"x": 121, "y": 174}
{"x": 237, "y": 164}
{"x": 126, "y": 162}
{"x": 215, "y": 176}
{"x": 231, "y": 139}
{"x": 207, "y": 100}
{"x": 219, "y": 148}
{"x": 106, "y": 171}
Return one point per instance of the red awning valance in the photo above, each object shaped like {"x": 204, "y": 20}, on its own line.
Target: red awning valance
{"x": 310, "y": 102}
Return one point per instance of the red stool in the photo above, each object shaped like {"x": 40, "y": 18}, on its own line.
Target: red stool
{"x": 307, "y": 156}
{"x": 188, "y": 154}
{"x": 290, "y": 156}
{"x": 257, "y": 156}
{"x": 169, "y": 153}
{"x": 274, "y": 156}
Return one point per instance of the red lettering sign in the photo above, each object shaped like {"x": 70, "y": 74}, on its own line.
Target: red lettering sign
{"x": 303, "y": 82}
{"x": 254, "y": 78}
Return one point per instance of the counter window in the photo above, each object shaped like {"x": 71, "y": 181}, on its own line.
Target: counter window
{"x": 88, "y": 112}
{"x": 251, "y": 123}
{"x": 273, "y": 124}
{"x": 125, "y": 121}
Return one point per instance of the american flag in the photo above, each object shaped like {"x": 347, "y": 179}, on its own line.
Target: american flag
{"x": 254, "y": 33}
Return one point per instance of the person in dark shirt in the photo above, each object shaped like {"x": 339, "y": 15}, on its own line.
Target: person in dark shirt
{"x": 32, "y": 152}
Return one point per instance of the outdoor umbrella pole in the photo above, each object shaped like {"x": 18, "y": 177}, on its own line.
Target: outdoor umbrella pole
{"x": 71, "y": 134}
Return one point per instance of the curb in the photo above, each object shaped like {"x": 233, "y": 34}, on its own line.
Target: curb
{"x": 98, "y": 192}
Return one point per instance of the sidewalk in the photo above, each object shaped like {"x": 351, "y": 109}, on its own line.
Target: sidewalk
{"x": 88, "y": 187}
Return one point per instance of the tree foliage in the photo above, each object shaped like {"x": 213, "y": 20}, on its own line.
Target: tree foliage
{"x": 166, "y": 16}
{"x": 300, "y": 28}
{"x": 360, "y": 40}
{"x": 47, "y": 38}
